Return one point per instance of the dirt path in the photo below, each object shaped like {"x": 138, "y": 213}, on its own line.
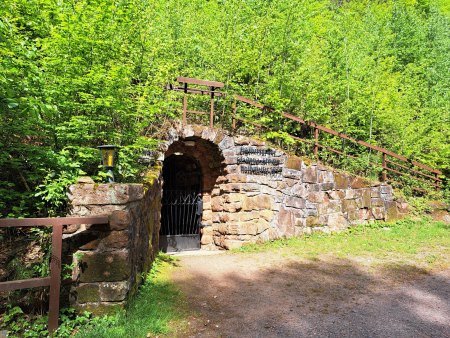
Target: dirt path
{"x": 268, "y": 295}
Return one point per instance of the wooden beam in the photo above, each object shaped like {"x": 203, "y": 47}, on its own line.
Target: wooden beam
{"x": 207, "y": 83}
{"x": 31, "y": 222}
{"x": 24, "y": 284}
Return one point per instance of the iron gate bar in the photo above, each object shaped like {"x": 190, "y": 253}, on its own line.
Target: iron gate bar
{"x": 179, "y": 212}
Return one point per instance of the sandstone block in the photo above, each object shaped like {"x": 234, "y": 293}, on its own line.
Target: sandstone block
{"x": 259, "y": 202}
{"x": 341, "y": 181}
{"x": 234, "y": 197}
{"x": 403, "y": 208}
{"x": 250, "y": 187}
{"x": 329, "y": 207}
{"x": 295, "y": 202}
{"x": 232, "y": 207}
{"x": 248, "y": 216}
{"x": 266, "y": 215}
{"x": 375, "y": 192}
{"x": 206, "y": 240}
{"x": 285, "y": 218}
{"x": 119, "y": 220}
{"x": 310, "y": 175}
{"x": 366, "y": 198}
{"x": 104, "y": 267}
{"x": 292, "y": 174}
{"x": 88, "y": 292}
{"x": 349, "y": 205}
{"x": 312, "y": 220}
{"x": 325, "y": 176}
{"x": 357, "y": 216}
{"x": 85, "y": 180}
{"x": 113, "y": 291}
{"x": 386, "y": 189}
{"x": 114, "y": 240}
{"x": 71, "y": 228}
{"x": 242, "y": 140}
{"x": 237, "y": 178}
{"x": 337, "y": 221}
{"x": 358, "y": 183}
{"x": 377, "y": 202}
{"x": 299, "y": 190}
{"x": 232, "y": 244}
{"x": 101, "y": 194}
{"x": 209, "y": 134}
{"x": 207, "y": 216}
{"x": 290, "y": 182}
{"x": 378, "y": 213}
{"x": 352, "y": 194}
{"x": 294, "y": 162}
{"x": 219, "y": 137}
{"x": 336, "y": 194}
{"x": 317, "y": 197}
{"x": 216, "y": 204}
{"x": 226, "y": 143}
{"x": 391, "y": 211}
{"x": 326, "y": 186}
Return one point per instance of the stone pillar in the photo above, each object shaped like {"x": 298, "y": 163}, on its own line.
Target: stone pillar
{"x": 109, "y": 259}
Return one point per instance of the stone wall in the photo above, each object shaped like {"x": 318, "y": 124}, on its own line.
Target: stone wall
{"x": 109, "y": 259}
{"x": 242, "y": 207}
{"x": 287, "y": 197}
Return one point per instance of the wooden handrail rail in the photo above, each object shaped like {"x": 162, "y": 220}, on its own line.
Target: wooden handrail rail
{"x": 341, "y": 135}
{"x": 431, "y": 173}
{"x": 215, "y": 84}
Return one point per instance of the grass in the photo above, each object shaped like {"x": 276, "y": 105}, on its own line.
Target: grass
{"x": 424, "y": 242}
{"x": 157, "y": 310}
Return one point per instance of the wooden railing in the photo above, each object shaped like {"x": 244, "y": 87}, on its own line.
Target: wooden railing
{"x": 390, "y": 161}
{"x": 54, "y": 280}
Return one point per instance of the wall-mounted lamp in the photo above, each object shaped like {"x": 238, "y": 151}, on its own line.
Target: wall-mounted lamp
{"x": 189, "y": 143}
{"x": 178, "y": 154}
{"x": 108, "y": 159}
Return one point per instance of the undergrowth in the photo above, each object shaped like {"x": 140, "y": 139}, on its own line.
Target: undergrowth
{"x": 150, "y": 313}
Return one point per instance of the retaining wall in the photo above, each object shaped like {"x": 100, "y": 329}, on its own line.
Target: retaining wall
{"x": 109, "y": 259}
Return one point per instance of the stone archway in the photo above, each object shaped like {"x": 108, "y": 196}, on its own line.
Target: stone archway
{"x": 203, "y": 150}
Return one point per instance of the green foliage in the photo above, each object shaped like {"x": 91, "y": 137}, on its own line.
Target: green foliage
{"x": 19, "y": 324}
{"x": 74, "y": 75}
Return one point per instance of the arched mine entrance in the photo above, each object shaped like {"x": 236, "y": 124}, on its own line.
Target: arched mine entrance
{"x": 181, "y": 203}
{"x": 191, "y": 168}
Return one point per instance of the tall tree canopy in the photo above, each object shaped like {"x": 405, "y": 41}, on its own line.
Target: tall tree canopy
{"x": 76, "y": 74}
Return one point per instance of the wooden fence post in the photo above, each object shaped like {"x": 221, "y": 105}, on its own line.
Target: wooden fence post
{"x": 211, "y": 113}
{"x": 55, "y": 277}
{"x": 384, "y": 172}
{"x": 233, "y": 120}
{"x": 316, "y": 142}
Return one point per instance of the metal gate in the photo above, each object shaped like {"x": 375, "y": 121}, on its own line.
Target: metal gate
{"x": 181, "y": 204}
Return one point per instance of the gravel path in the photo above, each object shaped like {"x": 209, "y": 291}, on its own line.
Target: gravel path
{"x": 270, "y": 295}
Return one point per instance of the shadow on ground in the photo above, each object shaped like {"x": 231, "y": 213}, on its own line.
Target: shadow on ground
{"x": 251, "y": 296}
